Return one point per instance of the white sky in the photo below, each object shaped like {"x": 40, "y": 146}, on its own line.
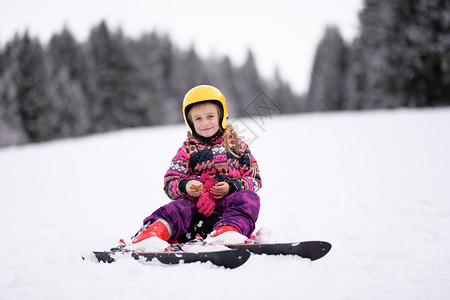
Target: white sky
{"x": 282, "y": 33}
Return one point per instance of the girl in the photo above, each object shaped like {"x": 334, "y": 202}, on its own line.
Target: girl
{"x": 213, "y": 172}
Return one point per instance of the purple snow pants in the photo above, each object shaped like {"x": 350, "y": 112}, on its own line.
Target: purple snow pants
{"x": 239, "y": 209}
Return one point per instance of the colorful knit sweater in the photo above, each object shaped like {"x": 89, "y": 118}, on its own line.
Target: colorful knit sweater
{"x": 200, "y": 155}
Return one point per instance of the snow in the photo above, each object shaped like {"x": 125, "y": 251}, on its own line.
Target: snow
{"x": 374, "y": 184}
{"x": 149, "y": 244}
{"x": 229, "y": 237}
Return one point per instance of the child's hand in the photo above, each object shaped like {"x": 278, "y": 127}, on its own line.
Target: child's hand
{"x": 194, "y": 188}
{"x": 220, "y": 190}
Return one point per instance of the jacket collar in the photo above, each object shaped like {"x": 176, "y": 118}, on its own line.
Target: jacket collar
{"x": 213, "y": 140}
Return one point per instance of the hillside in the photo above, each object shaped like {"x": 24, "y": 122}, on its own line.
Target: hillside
{"x": 375, "y": 185}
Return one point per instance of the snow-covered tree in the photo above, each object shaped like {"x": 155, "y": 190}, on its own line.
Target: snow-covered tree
{"x": 190, "y": 70}
{"x": 168, "y": 93}
{"x": 402, "y": 56}
{"x": 326, "y": 85}
{"x": 109, "y": 82}
{"x": 145, "y": 56}
{"x": 283, "y": 95}
{"x": 11, "y": 126}
{"x": 369, "y": 84}
{"x": 248, "y": 83}
{"x": 28, "y": 72}
{"x": 70, "y": 78}
{"x": 422, "y": 52}
{"x": 115, "y": 104}
{"x": 227, "y": 84}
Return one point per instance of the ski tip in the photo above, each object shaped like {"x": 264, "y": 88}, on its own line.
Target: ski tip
{"x": 318, "y": 249}
{"x": 232, "y": 259}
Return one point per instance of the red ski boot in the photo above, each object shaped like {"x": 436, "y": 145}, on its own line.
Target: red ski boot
{"x": 157, "y": 229}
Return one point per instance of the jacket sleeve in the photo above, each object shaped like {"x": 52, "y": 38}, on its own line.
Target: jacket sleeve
{"x": 249, "y": 178}
{"x": 177, "y": 175}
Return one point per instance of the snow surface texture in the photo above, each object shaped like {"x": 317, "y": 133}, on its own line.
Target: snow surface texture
{"x": 376, "y": 185}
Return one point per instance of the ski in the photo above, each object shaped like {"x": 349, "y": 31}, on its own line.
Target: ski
{"x": 308, "y": 249}
{"x": 229, "y": 259}
{"x": 235, "y": 256}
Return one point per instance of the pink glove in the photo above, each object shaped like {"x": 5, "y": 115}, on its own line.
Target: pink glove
{"x": 206, "y": 202}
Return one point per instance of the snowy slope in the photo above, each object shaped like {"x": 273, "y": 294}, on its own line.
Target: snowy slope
{"x": 375, "y": 185}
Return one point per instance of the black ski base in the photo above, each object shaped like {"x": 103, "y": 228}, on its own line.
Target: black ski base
{"x": 229, "y": 259}
{"x": 310, "y": 249}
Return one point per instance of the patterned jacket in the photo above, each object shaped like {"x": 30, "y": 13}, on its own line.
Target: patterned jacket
{"x": 197, "y": 156}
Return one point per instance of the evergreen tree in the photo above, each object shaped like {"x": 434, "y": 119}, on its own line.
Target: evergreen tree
{"x": 111, "y": 82}
{"x": 11, "y": 127}
{"x": 190, "y": 70}
{"x": 326, "y": 86}
{"x": 422, "y": 52}
{"x": 227, "y": 82}
{"x": 115, "y": 102}
{"x": 248, "y": 82}
{"x": 157, "y": 60}
{"x": 71, "y": 81}
{"x": 168, "y": 89}
{"x": 283, "y": 95}
{"x": 354, "y": 79}
{"x": 36, "y": 103}
{"x": 401, "y": 57}
{"x": 370, "y": 65}
{"x": 146, "y": 52}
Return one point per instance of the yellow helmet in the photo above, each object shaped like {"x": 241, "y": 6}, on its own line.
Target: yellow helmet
{"x": 204, "y": 93}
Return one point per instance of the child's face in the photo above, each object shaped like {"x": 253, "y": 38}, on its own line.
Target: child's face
{"x": 205, "y": 118}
